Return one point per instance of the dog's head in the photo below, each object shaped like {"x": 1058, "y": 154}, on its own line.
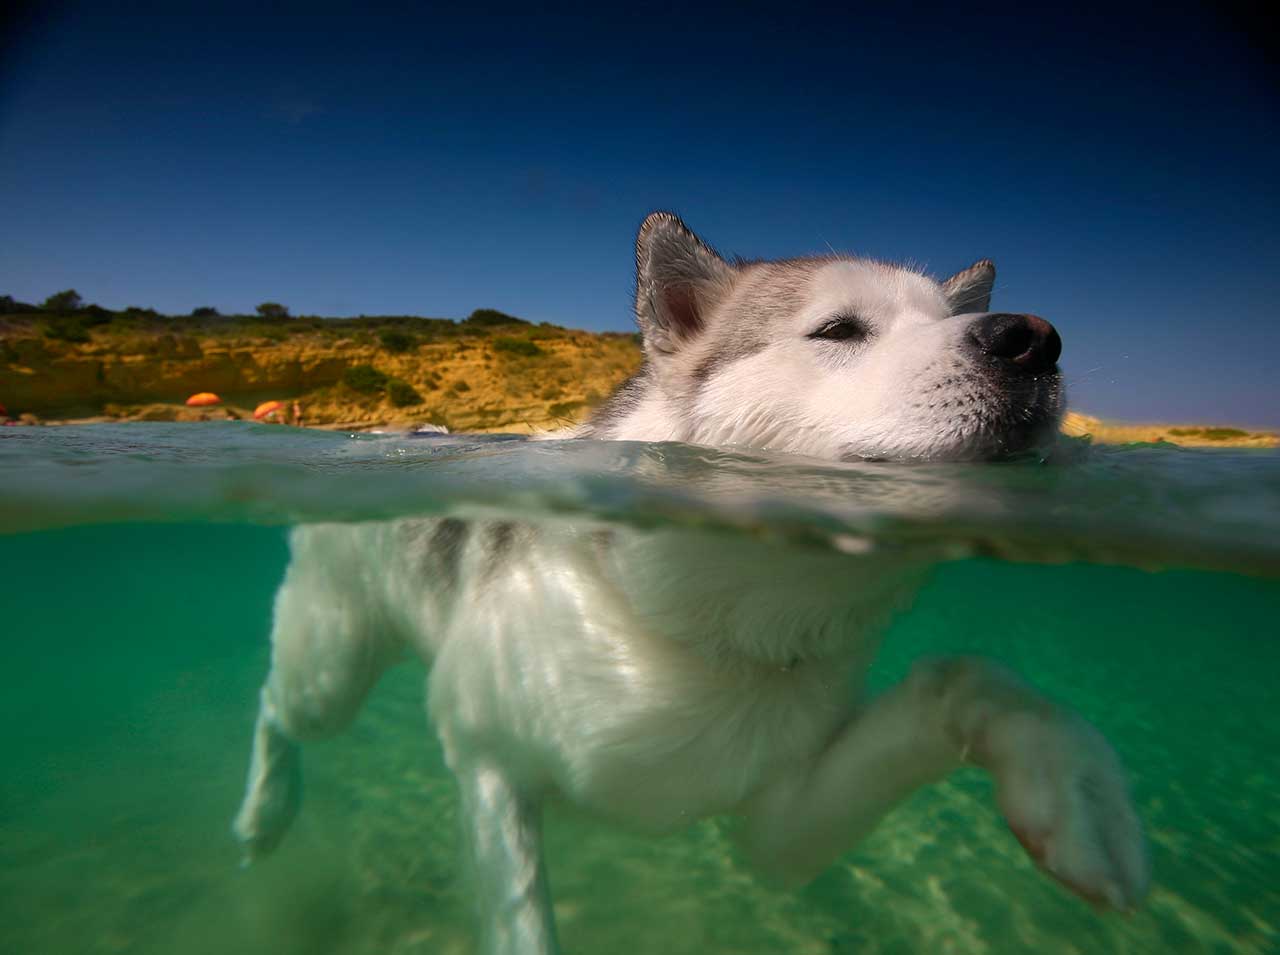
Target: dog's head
{"x": 840, "y": 357}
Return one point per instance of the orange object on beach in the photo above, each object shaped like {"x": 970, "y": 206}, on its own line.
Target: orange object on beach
{"x": 266, "y": 409}
{"x": 203, "y": 399}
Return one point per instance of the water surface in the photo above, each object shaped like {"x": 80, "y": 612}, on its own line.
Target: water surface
{"x": 1141, "y": 584}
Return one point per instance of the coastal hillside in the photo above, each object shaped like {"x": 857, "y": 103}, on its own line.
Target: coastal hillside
{"x": 488, "y": 372}
{"x": 1186, "y": 435}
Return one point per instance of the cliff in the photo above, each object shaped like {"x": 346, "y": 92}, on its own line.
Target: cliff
{"x": 344, "y": 373}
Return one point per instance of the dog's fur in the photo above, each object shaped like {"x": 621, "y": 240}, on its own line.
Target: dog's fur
{"x": 656, "y": 678}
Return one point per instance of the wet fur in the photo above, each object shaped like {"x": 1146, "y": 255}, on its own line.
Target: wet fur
{"x": 658, "y": 677}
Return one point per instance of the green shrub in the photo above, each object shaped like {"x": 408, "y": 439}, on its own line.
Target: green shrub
{"x": 401, "y": 394}
{"x": 273, "y": 310}
{"x": 1222, "y": 434}
{"x": 460, "y": 386}
{"x": 68, "y": 301}
{"x": 396, "y": 341}
{"x": 10, "y": 306}
{"x": 365, "y": 379}
{"x": 517, "y": 346}
{"x": 1209, "y": 434}
{"x": 488, "y": 317}
{"x": 95, "y": 315}
{"x": 66, "y": 330}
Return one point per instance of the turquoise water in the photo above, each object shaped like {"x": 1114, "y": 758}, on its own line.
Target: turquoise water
{"x": 139, "y": 562}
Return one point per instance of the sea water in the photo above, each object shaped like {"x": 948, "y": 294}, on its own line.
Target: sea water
{"x": 137, "y": 566}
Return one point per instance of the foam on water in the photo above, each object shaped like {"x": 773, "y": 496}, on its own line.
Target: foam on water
{"x": 138, "y": 570}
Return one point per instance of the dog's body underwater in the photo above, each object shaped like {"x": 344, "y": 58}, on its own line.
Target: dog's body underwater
{"x": 656, "y": 677}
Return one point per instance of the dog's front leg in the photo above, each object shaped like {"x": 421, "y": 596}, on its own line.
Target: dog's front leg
{"x": 1059, "y": 783}
{"x": 504, "y": 836}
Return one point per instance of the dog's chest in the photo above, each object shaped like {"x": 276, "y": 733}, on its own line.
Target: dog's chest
{"x": 592, "y": 703}
{"x": 667, "y": 759}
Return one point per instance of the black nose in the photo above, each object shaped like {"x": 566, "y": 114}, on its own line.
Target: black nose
{"x": 1027, "y": 343}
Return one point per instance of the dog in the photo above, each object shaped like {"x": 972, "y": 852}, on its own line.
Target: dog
{"x": 650, "y": 676}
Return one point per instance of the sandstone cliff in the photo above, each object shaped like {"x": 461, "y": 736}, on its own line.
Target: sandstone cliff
{"x": 516, "y": 377}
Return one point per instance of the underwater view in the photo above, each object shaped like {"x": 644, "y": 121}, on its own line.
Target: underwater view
{"x": 1140, "y": 584}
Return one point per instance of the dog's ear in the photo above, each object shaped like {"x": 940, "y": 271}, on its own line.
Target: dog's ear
{"x": 970, "y": 290}
{"x": 679, "y": 279}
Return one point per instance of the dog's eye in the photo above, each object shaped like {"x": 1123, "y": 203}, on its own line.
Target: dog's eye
{"x": 844, "y": 329}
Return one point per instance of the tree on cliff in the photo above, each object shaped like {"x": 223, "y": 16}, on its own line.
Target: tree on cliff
{"x": 68, "y": 301}
{"x": 11, "y": 306}
{"x": 273, "y": 310}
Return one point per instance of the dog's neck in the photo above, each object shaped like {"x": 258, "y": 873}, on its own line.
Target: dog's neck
{"x": 638, "y": 410}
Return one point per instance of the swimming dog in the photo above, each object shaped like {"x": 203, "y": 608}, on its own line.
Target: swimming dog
{"x": 656, "y": 677}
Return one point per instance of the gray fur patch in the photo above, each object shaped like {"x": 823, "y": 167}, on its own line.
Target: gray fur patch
{"x": 446, "y": 546}
{"x": 734, "y": 350}
{"x": 617, "y": 406}
{"x": 767, "y": 293}
{"x": 500, "y": 538}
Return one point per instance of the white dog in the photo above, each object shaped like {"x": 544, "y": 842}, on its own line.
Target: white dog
{"x": 653, "y": 677}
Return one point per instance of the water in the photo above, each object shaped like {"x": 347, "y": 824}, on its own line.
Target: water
{"x": 1141, "y": 584}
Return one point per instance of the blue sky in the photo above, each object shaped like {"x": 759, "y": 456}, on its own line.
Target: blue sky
{"x": 1120, "y": 169}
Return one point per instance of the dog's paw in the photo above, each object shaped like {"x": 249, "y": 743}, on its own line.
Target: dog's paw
{"x": 1064, "y": 795}
{"x": 271, "y": 802}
